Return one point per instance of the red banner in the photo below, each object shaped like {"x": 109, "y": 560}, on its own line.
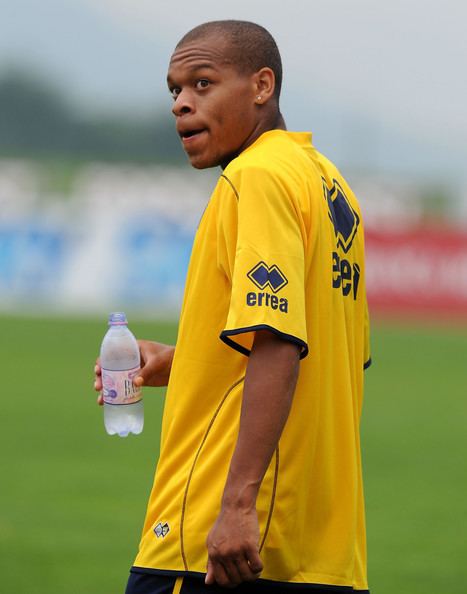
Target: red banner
{"x": 422, "y": 271}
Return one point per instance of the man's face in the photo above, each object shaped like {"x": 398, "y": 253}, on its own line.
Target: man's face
{"x": 214, "y": 104}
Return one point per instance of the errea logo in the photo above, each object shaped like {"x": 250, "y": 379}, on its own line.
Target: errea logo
{"x": 161, "y": 530}
{"x": 267, "y": 277}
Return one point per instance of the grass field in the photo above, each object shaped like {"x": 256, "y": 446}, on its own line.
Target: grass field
{"x": 72, "y": 499}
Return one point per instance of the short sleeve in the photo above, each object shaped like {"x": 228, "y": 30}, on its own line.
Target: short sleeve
{"x": 267, "y": 278}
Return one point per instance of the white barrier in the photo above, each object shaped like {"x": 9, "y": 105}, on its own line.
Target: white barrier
{"x": 121, "y": 238}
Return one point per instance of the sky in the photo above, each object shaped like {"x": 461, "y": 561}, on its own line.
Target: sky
{"x": 381, "y": 84}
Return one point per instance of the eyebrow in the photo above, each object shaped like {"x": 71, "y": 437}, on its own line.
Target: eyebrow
{"x": 195, "y": 67}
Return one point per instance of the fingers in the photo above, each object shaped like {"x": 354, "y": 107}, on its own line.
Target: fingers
{"x": 228, "y": 575}
{"x": 247, "y": 572}
{"x": 150, "y": 367}
{"x": 210, "y": 579}
{"x": 139, "y": 380}
{"x": 223, "y": 576}
{"x": 231, "y": 571}
{"x": 97, "y": 378}
{"x": 238, "y": 571}
{"x": 98, "y": 382}
{"x": 254, "y": 561}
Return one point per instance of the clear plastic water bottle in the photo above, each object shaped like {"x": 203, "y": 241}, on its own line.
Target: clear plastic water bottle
{"x": 120, "y": 363}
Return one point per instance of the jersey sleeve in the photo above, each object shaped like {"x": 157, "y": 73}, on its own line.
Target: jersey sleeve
{"x": 265, "y": 263}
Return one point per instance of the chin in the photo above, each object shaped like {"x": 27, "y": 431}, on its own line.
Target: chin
{"x": 200, "y": 163}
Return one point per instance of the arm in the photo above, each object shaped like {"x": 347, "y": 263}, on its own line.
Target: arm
{"x": 156, "y": 363}
{"x": 233, "y": 543}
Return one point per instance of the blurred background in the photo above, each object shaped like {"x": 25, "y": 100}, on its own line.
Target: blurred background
{"x": 98, "y": 209}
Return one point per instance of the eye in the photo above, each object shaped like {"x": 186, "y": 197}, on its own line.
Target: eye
{"x": 175, "y": 92}
{"x": 202, "y": 83}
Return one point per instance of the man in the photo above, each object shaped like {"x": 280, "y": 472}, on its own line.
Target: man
{"x": 258, "y": 484}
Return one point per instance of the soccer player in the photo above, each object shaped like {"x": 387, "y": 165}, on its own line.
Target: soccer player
{"x": 258, "y": 485}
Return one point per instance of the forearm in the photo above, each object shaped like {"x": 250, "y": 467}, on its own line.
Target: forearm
{"x": 269, "y": 386}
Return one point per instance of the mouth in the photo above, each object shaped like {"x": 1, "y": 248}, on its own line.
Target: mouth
{"x": 190, "y": 135}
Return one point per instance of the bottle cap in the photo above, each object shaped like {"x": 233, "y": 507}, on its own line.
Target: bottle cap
{"x": 117, "y": 318}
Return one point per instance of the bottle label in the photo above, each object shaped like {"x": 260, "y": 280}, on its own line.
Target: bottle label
{"x": 118, "y": 386}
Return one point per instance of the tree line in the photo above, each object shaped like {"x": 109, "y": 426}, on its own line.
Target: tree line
{"x": 37, "y": 121}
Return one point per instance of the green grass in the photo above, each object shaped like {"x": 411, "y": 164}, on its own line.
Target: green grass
{"x": 414, "y": 439}
{"x": 72, "y": 499}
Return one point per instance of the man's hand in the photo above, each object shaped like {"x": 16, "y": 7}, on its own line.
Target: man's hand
{"x": 156, "y": 363}
{"x": 233, "y": 548}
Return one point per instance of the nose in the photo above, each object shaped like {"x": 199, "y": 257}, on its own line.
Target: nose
{"x": 183, "y": 103}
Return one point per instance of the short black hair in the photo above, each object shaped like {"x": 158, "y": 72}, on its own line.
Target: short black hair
{"x": 253, "y": 47}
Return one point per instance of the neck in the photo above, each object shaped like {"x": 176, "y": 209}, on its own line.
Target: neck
{"x": 271, "y": 121}
{"x": 280, "y": 122}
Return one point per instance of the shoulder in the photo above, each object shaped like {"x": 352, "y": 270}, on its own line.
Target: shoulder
{"x": 268, "y": 163}
{"x": 268, "y": 154}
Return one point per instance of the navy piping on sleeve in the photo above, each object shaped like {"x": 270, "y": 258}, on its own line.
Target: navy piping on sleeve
{"x": 224, "y": 336}
{"x": 367, "y": 364}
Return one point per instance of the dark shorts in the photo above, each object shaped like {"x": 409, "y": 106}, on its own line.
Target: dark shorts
{"x": 148, "y": 583}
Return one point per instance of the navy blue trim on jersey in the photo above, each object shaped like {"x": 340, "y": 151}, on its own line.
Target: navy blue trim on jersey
{"x": 173, "y": 573}
{"x": 234, "y": 189}
{"x": 367, "y": 364}
{"x": 260, "y": 585}
{"x": 225, "y": 334}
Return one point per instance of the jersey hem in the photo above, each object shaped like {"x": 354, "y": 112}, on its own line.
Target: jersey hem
{"x": 226, "y": 334}
{"x": 294, "y": 585}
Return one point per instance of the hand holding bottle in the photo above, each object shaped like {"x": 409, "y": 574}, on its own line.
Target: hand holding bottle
{"x": 125, "y": 365}
{"x": 156, "y": 363}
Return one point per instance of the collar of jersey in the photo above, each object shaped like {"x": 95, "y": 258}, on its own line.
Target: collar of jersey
{"x": 301, "y": 138}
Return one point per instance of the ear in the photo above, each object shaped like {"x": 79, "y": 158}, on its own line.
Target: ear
{"x": 265, "y": 83}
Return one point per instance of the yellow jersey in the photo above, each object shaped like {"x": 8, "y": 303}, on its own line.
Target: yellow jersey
{"x": 279, "y": 247}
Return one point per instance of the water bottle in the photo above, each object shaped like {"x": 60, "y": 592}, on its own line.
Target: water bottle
{"x": 120, "y": 363}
